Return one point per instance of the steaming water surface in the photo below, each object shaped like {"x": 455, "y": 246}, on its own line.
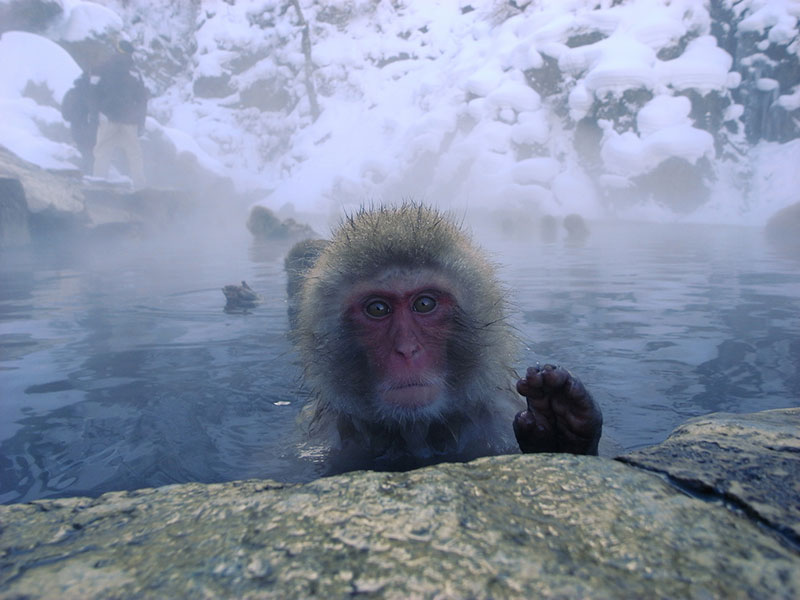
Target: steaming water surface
{"x": 119, "y": 368}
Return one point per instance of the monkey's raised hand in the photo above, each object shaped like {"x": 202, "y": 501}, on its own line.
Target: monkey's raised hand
{"x": 561, "y": 415}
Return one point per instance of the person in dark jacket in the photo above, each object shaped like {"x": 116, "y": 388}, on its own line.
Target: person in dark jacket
{"x": 79, "y": 109}
{"x": 122, "y": 103}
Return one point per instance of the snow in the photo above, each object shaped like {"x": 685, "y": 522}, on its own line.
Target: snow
{"x": 418, "y": 98}
{"x": 780, "y": 16}
{"x": 81, "y": 20}
{"x": 703, "y": 66}
{"x": 628, "y": 154}
{"x": 531, "y": 128}
{"x": 775, "y": 183}
{"x": 662, "y": 112}
{"x": 790, "y": 101}
{"x": 185, "y": 144}
{"x": 733, "y": 112}
{"x": 484, "y": 80}
{"x": 536, "y": 170}
{"x": 766, "y": 84}
{"x": 515, "y": 95}
{"x": 581, "y": 101}
{"x": 26, "y": 59}
{"x": 624, "y": 63}
{"x": 575, "y": 193}
{"x": 656, "y": 25}
{"x": 776, "y": 180}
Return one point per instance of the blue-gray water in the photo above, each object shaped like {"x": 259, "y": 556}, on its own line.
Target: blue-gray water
{"x": 119, "y": 368}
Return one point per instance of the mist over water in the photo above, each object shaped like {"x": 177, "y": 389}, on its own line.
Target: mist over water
{"x": 120, "y": 369}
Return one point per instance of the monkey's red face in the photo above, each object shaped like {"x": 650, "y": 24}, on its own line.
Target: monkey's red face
{"x": 403, "y": 321}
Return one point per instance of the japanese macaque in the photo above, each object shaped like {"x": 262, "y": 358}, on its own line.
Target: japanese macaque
{"x": 266, "y": 226}
{"x": 577, "y": 231}
{"x": 403, "y": 334}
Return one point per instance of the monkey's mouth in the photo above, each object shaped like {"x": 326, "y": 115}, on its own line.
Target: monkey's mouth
{"x": 411, "y": 395}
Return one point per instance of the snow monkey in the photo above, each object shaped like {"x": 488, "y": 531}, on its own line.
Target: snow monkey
{"x": 403, "y": 334}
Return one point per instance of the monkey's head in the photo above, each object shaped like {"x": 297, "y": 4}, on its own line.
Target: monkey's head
{"x": 402, "y": 321}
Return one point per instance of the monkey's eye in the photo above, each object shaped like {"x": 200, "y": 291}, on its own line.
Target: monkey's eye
{"x": 377, "y": 309}
{"x": 424, "y": 304}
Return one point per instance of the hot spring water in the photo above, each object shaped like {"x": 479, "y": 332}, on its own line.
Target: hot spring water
{"x": 119, "y": 368}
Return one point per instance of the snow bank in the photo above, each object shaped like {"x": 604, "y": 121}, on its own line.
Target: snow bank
{"x": 624, "y": 63}
{"x": 27, "y": 59}
{"x": 665, "y": 131}
{"x": 82, "y": 20}
{"x": 703, "y": 66}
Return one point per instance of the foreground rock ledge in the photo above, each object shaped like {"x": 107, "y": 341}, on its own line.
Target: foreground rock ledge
{"x": 750, "y": 460}
{"x": 512, "y": 526}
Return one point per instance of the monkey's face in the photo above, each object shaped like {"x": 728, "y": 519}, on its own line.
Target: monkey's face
{"x": 402, "y": 320}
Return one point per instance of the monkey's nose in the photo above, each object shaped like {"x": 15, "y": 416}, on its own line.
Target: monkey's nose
{"x": 407, "y": 349}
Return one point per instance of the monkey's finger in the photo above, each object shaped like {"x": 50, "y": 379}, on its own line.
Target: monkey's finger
{"x": 536, "y": 397}
{"x": 575, "y": 400}
{"x": 554, "y": 376}
{"x": 534, "y": 375}
{"x": 578, "y": 419}
{"x": 526, "y": 387}
{"x": 531, "y": 383}
{"x": 577, "y": 393}
{"x": 534, "y": 432}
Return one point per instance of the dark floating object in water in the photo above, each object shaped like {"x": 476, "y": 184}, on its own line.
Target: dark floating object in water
{"x": 577, "y": 231}
{"x": 783, "y": 230}
{"x": 240, "y": 298}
